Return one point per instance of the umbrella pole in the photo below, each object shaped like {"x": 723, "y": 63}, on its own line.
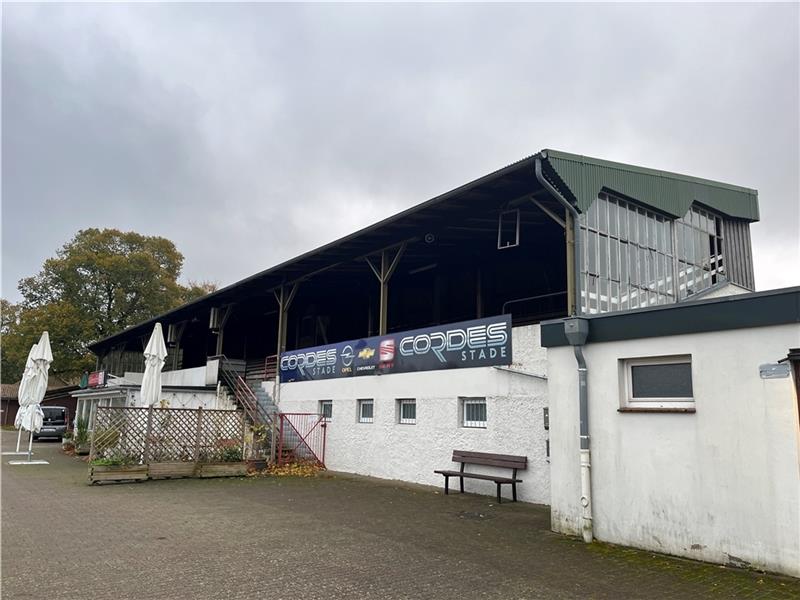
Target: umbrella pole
{"x": 30, "y": 445}
{"x": 19, "y": 437}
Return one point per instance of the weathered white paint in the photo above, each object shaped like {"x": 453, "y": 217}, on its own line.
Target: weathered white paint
{"x": 720, "y": 485}
{"x": 195, "y": 377}
{"x": 388, "y": 449}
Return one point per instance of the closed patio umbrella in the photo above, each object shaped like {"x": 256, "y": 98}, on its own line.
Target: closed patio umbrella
{"x": 24, "y": 384}
{"x": 154, "y": 356}
{"x": 31, "y": 392}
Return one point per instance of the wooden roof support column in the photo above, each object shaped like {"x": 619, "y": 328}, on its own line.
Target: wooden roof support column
{"x": 226, "y": 313}
{"x": 384, "y": 274}
{"x": 284, "y": 298}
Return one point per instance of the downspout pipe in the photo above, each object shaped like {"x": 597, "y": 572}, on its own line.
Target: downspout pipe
{"x": 575, "y": 227}
{"x": 576, "y": 330}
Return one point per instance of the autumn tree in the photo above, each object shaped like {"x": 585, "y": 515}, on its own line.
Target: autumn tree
{"x": 100, "y": 282}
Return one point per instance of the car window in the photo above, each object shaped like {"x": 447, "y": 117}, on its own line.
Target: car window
{"x": 53, "y": 414}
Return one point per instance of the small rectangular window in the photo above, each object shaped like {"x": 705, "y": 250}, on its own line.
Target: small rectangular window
{"x": 365, "y": 411}
{"x": 508, "y": 229}
{"x": 326, "y": 409}
{"x": 407, "y": 411}
{"x": 473, "y": 412}
{"x": 660, "y": 382}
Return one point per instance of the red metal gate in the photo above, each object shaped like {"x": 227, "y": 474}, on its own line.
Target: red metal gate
{"x": 301, "y": 437}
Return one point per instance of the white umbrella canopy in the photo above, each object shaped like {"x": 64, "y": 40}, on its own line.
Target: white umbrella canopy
{"x": 23, "y": 394}
{"x": 34, "y": 385}
{"x": 154, "y": 356}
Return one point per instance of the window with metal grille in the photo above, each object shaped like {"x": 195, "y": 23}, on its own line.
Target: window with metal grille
{"x": 628, "y": 259}
{"x": 634, "y": 257}
{"x": 473, "y": 412}
{"x": 326, "y": 409}
{"x": 407, "y": 411}
{"x": 365, "y": 411}
{"x": 699, "y": 251}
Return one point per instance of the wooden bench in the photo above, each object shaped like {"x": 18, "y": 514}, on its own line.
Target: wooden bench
{"x": 506, "y": 461}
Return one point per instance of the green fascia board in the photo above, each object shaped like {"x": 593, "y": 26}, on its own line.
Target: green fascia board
{"x": 670, "y": 193}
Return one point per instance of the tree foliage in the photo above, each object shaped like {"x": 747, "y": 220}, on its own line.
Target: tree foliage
{"x": 100, "y": 282}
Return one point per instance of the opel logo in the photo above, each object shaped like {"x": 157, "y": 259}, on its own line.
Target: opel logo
{"x": 347, "y": 355}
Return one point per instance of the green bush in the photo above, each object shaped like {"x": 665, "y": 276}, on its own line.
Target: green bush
{"x": 82, "y": 432}
{"x": 231, "y": 454}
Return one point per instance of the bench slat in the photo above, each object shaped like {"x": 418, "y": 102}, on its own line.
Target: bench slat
{"x": 506, "y": 461}
{"x": 479, "y": 476}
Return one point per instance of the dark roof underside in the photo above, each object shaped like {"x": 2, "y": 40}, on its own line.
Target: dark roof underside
{"x": 578, "y": 178}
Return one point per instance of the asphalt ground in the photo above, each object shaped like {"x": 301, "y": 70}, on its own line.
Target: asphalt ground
{"x": 332, "y": 536}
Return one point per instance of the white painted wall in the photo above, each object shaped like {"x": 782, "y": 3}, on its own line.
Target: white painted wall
{"x": 721, "y": 485}
{"x": 195, "y": 377}
{"x": 390, "y": 450}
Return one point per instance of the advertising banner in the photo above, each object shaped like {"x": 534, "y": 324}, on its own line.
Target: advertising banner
{"x": 478, "y": 343}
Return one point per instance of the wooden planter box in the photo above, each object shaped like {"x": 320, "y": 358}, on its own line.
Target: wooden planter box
{"x": 171, "y": 470}
{"x": 223, "y": 469}
{"x": 99, "y": 473}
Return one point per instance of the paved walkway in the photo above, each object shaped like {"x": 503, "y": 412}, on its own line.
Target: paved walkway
{"x": 328, "y": 537}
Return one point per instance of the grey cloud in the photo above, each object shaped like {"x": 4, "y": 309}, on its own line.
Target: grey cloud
{"x": 250, "y": 133}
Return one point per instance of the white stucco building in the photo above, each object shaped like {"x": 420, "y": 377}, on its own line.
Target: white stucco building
{"x": 711, "y": 474}
{"x": 347, "y": 331}
{"x": 391, "y": 447}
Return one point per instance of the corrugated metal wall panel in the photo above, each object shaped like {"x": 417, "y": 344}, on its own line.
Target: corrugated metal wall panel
{"x": 668, "y": 192}
{"x": 738, "y": 252}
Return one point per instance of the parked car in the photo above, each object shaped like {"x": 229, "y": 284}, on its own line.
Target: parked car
{"x": 54, "y": 424}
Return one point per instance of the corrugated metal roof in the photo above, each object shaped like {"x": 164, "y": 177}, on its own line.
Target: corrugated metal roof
{"x": 580, "y": 179}
{"x": 670, "y": 193}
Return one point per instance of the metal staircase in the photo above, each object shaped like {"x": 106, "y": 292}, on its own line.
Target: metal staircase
{"x": 283, "y": 437}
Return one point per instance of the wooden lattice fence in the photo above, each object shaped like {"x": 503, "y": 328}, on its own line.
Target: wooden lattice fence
{"x": 166, "y": 442}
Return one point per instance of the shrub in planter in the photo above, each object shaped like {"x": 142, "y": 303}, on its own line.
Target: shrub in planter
{"x": 82, "y": 436}
{"x": 231, "y": 454}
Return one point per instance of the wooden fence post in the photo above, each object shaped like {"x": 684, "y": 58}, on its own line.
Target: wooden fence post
{"x": 244, "y": 436}
{"x": 198, "y": 438}
{"x": 147, "y": 433}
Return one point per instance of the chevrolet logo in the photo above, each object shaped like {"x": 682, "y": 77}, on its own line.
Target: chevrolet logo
{"x": 366, "y": 353}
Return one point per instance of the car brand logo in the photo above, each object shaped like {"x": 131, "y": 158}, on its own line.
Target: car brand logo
{"x": 347, "y": 355}
{"x": 366, "y": 353}
{"x": 386, "y": 350}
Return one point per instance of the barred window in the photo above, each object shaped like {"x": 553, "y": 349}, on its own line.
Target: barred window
{"x": 407, "y": 411}
{"x": 473, "y": 412}
{"x": 365, "y": 411}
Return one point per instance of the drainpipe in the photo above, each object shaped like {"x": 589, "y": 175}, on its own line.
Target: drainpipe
{"x": 576, "y": 330}
{"x": 578, "y": 254}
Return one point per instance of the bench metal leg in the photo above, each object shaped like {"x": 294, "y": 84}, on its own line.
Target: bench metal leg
{"x": 446, "y": 484}
{"x": 499, "y": 498}
{"x": 461, "y": 484}
{"x": 514, "y": 490}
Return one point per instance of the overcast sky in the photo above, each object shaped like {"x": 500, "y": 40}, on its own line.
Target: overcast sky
{"x": 250, "y": 133}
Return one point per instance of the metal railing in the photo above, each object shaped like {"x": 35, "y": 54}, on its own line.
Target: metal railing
{"x": 243, "y": 395}
{"x": 301, "y": 438}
